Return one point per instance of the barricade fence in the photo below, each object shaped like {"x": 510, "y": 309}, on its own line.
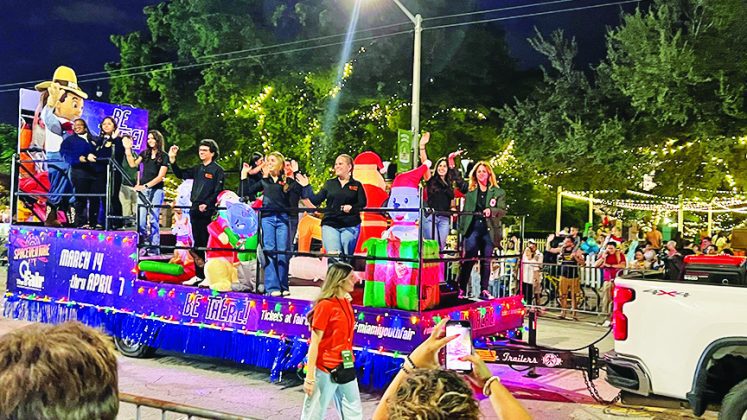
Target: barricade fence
{"x": 585, "y": 284}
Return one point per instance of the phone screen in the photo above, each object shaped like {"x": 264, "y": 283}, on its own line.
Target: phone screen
{"x": 458, "y": 347}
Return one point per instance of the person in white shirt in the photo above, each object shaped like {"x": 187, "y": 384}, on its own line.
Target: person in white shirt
{"x": 531, "y": 279}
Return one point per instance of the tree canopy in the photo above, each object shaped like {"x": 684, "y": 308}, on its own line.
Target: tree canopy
{"x": 668, "y": 99}
{"x": 243, "y": 72}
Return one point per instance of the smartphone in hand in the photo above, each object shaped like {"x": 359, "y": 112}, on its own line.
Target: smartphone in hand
{"x": 458, "y": 347}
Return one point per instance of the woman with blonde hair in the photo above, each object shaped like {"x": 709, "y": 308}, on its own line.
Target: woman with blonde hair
{"x": 485, "y": 205}
{"x": 280, "y": 196}
{"x": 345, "y": 198}
{"x": 331, "y": 370}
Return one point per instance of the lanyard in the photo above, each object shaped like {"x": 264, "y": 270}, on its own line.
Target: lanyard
{"x": 349, "y": 319}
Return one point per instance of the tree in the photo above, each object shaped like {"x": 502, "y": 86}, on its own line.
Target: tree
{"x": 461, "y": 67}
{"x": 668, "y": 98}
{"x": 8, "y": 146}
{"x": 567, "y": 128}
{"x": 684, "y": 81}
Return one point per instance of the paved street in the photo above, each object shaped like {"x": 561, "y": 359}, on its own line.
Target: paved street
{"x": 227, "y": 387}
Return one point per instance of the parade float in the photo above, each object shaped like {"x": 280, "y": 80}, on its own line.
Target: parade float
{"x": 97, "y": 277}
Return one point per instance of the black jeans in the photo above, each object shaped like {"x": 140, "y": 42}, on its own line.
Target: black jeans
{"x": 86, "y": 208}
{"x": 200, "y": 221}
{"x": 476, "y": 242}
{"x": 527, "y": 289}
{"x": 115, "y": 206}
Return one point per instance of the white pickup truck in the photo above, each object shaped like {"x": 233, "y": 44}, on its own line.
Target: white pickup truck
{"x": 683, "y": 335}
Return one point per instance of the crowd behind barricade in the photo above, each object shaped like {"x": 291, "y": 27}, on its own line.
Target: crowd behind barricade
{"x": 569, "y": 270}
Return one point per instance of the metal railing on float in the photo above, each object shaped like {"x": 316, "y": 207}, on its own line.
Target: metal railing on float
{"x": 20, "y": 170}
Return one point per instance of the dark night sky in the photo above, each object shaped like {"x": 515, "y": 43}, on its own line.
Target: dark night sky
{"x": 40, "y": 35}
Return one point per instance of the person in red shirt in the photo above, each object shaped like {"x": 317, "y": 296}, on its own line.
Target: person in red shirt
{"x": 331, "y": 373}
{"x": 611, "y": 261}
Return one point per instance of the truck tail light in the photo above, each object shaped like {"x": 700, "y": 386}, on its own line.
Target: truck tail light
{"x": 622, "y": 295}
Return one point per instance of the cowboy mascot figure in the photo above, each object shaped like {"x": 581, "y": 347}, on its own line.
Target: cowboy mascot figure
{"x": 64, "y": 103}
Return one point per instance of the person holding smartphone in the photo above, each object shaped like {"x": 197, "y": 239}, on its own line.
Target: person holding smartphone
{"x": 331, "y": 369}
{"x": 404, "y": 399}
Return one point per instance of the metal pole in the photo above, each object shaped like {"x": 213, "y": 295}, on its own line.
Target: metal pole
{"x": 417, "y": 20}
{"x": 415, "y": 118}
{"x": 421, "y": 229}
{"x": 681, "y": 216}
{"x": 591, "y": 209}
{"x": 558, "y": 208}
{"x": 13, "y": 199}
{"x": 710, "y": 218}
{"x": 108, "y": 193}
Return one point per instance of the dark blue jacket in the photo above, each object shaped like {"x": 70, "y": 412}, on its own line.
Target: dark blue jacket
{"x": 75, "y": 146}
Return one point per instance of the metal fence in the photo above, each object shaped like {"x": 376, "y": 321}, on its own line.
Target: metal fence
{"x": 151, "y": 408}
{"x": 589, "y": 297}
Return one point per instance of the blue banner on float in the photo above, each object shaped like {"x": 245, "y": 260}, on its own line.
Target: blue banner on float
{"x": 82, "y": 268}
{"x": 78, "y": 265}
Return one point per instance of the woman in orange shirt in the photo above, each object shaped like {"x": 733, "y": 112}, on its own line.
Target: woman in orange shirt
{"x": 331, "y": 370}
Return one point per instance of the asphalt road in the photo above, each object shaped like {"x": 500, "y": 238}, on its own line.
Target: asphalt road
{"x": 231, "y": 388}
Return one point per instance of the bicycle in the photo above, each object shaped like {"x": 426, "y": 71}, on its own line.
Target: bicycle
{"x": 550, "y": 286}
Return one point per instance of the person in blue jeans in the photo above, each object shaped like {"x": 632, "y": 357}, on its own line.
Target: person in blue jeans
{"x": 280, "y": 197}
{"x": 331, "y": 364}
{"x": 345, "y": 198}
{"x": 440, "y": 191}
{"x": 149, "y": 187}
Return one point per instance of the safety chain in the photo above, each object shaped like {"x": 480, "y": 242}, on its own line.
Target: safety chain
{"x": 595, "y": 393}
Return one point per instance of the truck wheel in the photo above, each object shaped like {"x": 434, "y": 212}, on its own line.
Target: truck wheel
{"x": 132, "y": 348}
{"x": 734, "y": 405}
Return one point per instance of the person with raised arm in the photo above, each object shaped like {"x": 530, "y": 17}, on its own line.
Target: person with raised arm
{"x": 208, "y": 178}
{"x": 279, "y": 199}
{"x": 155, "y": 163}
{"x": 440, "y": 197}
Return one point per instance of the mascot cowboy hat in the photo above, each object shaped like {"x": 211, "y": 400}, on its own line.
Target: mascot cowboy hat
{"x": 66, "y": 78}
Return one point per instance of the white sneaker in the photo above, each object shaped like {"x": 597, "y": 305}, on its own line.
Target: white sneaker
{"x": 204, "y": 283}
{"x": 286, "y": 293}
{"x": 193, "y": 281}
{"x": 276, "y": 294}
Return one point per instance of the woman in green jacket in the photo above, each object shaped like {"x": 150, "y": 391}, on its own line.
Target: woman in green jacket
{"x": 481, "y": 233}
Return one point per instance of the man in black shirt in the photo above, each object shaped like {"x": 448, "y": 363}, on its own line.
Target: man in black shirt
{"x": 208, "y": 182}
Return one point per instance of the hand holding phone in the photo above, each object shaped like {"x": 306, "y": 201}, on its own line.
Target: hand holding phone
{"x": 460, "y": 347}
{"x": 425, "y": 355}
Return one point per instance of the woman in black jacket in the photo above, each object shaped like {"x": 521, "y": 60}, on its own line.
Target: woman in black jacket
{"x": 440, "y": 191}
{"x": 280, "y": 198}
{"x": 114, "y": 150}
{"x": 345, "y": 198}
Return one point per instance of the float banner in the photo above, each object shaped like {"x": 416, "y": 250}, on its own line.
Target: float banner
{"x": 95, "y": 267}
{"x": 404, "y": 150}
{"x": 130, "y": 120}
{"x": 98, "y": 269}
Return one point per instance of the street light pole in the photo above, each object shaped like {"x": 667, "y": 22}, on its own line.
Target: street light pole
{"x": 417, "y": 20}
